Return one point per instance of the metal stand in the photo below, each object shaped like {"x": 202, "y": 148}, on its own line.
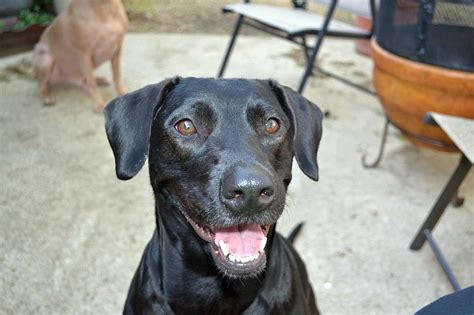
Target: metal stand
{"x": 376, "y": 162}
{"x": 306, "y": 51}
{"x": 457, "y": 200}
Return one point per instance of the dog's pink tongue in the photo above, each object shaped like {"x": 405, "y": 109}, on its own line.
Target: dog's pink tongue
{"x": 242, "y": 240}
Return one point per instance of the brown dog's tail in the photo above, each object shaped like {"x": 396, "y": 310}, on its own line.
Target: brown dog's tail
{"x": 294, "y": 233}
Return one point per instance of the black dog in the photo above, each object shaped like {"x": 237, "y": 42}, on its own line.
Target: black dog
{"x": 220, "y": 155}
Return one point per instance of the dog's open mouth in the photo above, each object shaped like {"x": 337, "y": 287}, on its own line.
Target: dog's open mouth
{"x": 239, "y": 251}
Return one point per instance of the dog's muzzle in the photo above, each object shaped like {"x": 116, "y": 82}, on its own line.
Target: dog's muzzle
{"x": 238, "y": 251}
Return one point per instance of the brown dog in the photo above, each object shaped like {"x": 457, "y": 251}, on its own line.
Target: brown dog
{"x": 80, "y": 39}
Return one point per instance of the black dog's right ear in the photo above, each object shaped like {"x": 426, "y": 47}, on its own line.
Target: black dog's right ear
{"x": 128, "y": 121}
{"x": 306, "y": 119}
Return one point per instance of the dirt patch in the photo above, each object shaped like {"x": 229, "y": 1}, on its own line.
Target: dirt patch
{"x": 22, "y": 68}
{"x": 297, "y": 54}
{"x": 200, "y": 16}
{"x": 343, "y": 63}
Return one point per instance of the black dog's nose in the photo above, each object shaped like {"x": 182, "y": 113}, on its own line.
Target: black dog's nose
{"x": 247, "y": 189}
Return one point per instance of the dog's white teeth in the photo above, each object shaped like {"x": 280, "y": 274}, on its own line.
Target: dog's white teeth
{"x": 241, "y": 259}
{"x": 224, "y": 248}
{"x": 263, "y": 242}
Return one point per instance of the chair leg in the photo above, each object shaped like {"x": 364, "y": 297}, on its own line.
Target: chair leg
{"x": 443, "y": 200}
{"x": 442, "y": 261}
{"x": 238, "y": 24}
{"x": 317, "y": 46}
{"x": 376, "y": 162}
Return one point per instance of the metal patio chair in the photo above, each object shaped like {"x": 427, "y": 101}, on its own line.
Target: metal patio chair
{"x": 297, "y": 24}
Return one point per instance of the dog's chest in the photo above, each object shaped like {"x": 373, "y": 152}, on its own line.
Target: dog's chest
{"x": 108, "y": 41}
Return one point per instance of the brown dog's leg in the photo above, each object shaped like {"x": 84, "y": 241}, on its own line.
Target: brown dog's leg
{"x": 43, "y": 65}
{"x": 102, "y": 82}
{"x": 45, "y": 95}
{"x": 119, "y": 87}
{"x": 91, "y": 84}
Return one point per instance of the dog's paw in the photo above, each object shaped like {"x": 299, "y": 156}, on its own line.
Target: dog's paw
{"x": 48, "y": 100}
{"x": 102, "y": 82}
{"x": 122, "y": 90}
{"x": 99, "y": 107}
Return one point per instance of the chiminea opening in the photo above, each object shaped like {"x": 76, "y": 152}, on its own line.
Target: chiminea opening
{"x": 436, "y": 32}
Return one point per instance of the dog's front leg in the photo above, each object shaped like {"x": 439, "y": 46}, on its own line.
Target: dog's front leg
{"x": 116, "y": 71}
{"x": 43, "y": 64}
{"x": 91, "y": 84}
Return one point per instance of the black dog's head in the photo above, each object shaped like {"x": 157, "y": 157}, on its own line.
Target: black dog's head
{"x": 221, "y": 152}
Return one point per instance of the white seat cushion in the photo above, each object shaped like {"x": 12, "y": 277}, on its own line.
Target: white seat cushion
{"x": 291, "y": 21}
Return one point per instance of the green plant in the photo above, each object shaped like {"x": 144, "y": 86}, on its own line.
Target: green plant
{"x": 34, "y": 16}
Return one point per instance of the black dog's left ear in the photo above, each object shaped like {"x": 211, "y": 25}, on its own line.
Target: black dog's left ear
{"x": 306, "y": 118}
{"x": 128, "y": 121}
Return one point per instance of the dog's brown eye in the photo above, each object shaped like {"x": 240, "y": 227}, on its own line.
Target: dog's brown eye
{"x": 185, "y": 127}
{"x": 272, "y": 125}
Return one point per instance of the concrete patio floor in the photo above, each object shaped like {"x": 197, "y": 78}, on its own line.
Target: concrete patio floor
{"x": 71, "y": 234}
